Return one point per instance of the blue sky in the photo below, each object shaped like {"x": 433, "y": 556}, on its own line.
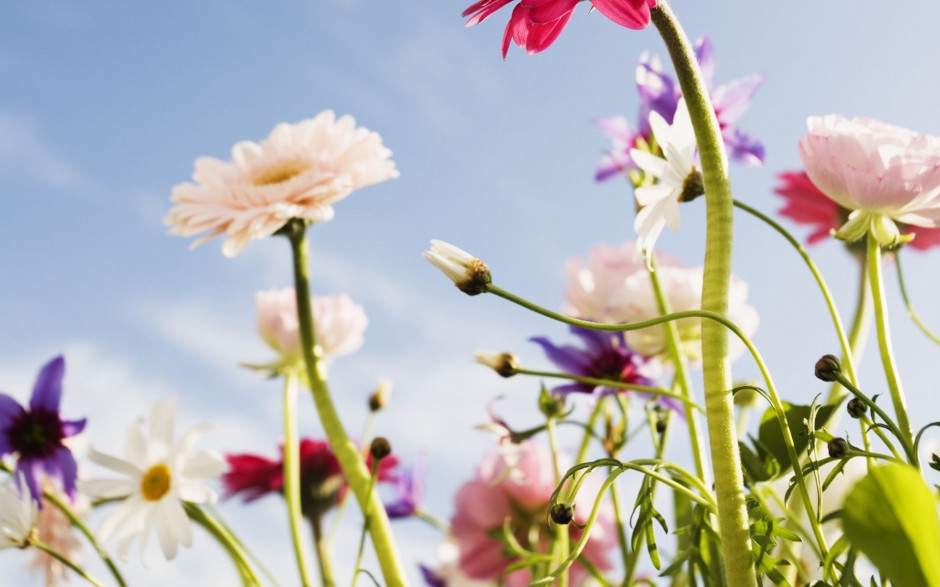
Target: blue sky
{"x": 104, "y": 107}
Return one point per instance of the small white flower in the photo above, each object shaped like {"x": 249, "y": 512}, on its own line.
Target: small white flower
{"x": 468, "y": 273}
{"x": 505, "y": 364}
{"x": 160, "y": 474}
{"x": 677, "y": 178}
{"x": 18, "y": 514}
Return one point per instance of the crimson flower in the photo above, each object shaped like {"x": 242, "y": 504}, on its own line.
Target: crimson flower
{"x": 535, "y": 24}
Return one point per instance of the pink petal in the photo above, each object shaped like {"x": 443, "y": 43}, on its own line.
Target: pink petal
{"x": 632, "y": 14}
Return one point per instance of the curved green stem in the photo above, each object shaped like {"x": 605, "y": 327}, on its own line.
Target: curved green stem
{"x": 62, "y": 559}
{"x": 682, "y": 375}
{"x": 844, "y": 341}
{"x": 561, "y": 547}
{"x": 367, "y": 515}
{"x": 589, "y": 429}
{"x": 227, "y": 540}
{"x": 352, "y": 464}
{"x": 907, "y": 302}
{"x": 906, "y": 443}
{"x": 884, "y": 345}
{"x": 292, "y": 479}
{"x": 719, "y": 408}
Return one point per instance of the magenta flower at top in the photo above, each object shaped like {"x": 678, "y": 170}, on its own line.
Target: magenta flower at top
{"x": 882, "y": 173}
{"x": 806, "y": 204}
{"x": 495, "y": 497}
{"x": 35, "y": 434}
{"x": 535, "y": 24}
{"x": 660, "y": 93}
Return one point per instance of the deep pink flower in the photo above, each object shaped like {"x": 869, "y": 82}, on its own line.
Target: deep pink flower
{"x": 535, "y": 24}
{"x": 321, "y": 478}
{"x": 880, "y": 172}
{"x": 484, "y": 504}
{"x": 806, "y": 204}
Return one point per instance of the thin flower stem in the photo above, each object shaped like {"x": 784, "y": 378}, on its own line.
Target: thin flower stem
{"x": 858, "y": 336}
{"x": 716, "y": 366}
{"x": 364, "y": 439}
{"x": 62, "y": 559}
{"x": 352, "y": 464}
{"x": 880, "y": 434}
{"x": 250, "y": 556}
{"x": 561, "y": 547}
{"x": 83, "y": 528}
{"x": 292, "y": 480}
{"x": 655, "y": 391}
{"x": 907, "y": 302}
{"x": 588, "y": 427}
{"x": 884, "y": 346}
{"x": 321, "y": 545}
{"x": 906, "y": 443}
{"x": 844, "y": 341}
{"x": 367, "y": 515}
{"x": 630, "y": 557}
{"x": 224, "y": 536}
{"x": 682, "y": 375}
{"x": 439, "y": 524}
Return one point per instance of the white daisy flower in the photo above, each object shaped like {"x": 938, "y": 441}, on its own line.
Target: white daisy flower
{"x": 18, "y": 514}
{"x": 159, "y": 475}
{"x": 677, "y": 178}
{"x": 469, "y": 274}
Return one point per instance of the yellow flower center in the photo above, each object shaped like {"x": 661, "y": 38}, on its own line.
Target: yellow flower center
{"x": 279, "y": 173}
{"x": 155, "y": 482}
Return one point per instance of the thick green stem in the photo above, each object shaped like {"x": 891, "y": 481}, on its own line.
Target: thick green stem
{"x": 719, "y": 408}
{"x": 884, "y": 343}
{"x": 562, "y": 544}
{"x": 321, "y": 545}
{"x": 354, "y": 468}
{"x": 292, "y": 478}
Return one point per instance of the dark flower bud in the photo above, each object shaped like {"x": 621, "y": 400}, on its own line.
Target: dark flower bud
{"x": 934, "y": 462}
{"x": 562, "y": 514}
{"x": 380, "y": 448}
{"x": 505, "y": 364}
{"x": 661, "y": 422}
{"x": 837, "y": 448}
{"x": 856, "y": 408}
{"x": 380, "y": 396}
{"x": 693, "y": 186}
{"x": 828, "y": 367}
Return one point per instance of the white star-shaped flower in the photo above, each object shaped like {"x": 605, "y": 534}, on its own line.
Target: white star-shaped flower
{"x": 677, "y": 177}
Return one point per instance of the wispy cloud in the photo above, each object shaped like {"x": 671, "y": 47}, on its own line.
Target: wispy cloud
{"x": 24, "y": 152}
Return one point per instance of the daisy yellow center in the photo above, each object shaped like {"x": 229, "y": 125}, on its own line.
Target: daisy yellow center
{"x": 155, "y": 482}
{"x": 279, "y": 173}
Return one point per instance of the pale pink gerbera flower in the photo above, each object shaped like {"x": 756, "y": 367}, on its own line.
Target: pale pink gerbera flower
{"x": 297, "y": 172}
{"x": 340, "y": 325}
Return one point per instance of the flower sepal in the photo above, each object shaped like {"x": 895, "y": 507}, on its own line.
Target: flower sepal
{"x": 881, "y": 226}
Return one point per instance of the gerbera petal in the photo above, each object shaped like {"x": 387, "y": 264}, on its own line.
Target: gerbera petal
{"x": 48, "y": 388}
{"x": 632, "y": 14}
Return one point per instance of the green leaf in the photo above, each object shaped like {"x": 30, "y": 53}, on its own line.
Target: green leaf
{"x": 891, "y": 516}
{"x": 771, "y": 437}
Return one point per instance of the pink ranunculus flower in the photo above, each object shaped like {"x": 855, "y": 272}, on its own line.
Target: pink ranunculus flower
{"x": 595, "y": 289}
{"x": 484, "y": 504}
{"x": 806, "y": 204}
{"x": 536, "y": 24}
{"x": 880, "y": 172}
{"x": 299, "y": 171}
{"x": 340, "y": 324}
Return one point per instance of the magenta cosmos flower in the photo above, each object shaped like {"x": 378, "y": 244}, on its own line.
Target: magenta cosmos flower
{"x": 484, "y": 504}
{"x": 35, "y": 434}
{"x": 535, "y": 24}
{"x": 299, "y": 171}
{"x": 882, "y": 173}
{"x": 660, "y": 93}
{"x": 806, "y": 204}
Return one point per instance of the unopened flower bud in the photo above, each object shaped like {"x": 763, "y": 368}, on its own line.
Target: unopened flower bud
{"x": 828, "y": 367}
{"x": 468, "y": 273}
{"x": 379, "y": 397}
{"x": 692, "y": 187}
{"x": 562, "y": 513}
{"x": 661, "y": 423}
{"x": 837, "y": 447}
{"x": 856, "y": 408}
{"x": 506, "y": 364}
{"x": 380, "y": 448}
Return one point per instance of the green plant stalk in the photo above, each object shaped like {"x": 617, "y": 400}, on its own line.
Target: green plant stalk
{"x": 227, "y": 540}
{"x": 719, "y": 408}
{"x": 364, "y": 439}
{"x": 907, "y": 302}
{"x": 588, "y": 427}
{"x": 354, "y": 469}
{"x": 292, "y": 480}
{"x": 884, "y": 344}
{"x": 62, "y": 559}
{"x": 365, "y": 525}
{"x": 562, "y": 545}
{"x": 682, "y": 375}
{"x": 906, "y": 443}
{"x": 858, "y": 336}
{"x": 655, "y": 391}
{"x": 321, "y": 545}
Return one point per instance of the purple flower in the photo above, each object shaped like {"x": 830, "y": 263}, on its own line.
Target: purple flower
{"x": 410, "y": 487}
{"x": 660, "y": 93}
{"x": 36, "y": 434}
{"x": 431, "y": 577}
{"x": 606, "y": 356}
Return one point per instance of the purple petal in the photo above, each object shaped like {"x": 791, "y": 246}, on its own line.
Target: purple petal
{"x": 568, "y": 359}
{"x": 401, "y": 508}
{"x": 572, "y": 388}
{"x": 705, "y": 53}
{"x": 62, "y": 465}
{"x": 743, "y": 148}
{"x": 733, "y": 99}
{"x": 658, "y": 93}
{"x": 30, "y": 469}
{"x": 10, "y": 410}
{"x": 595, "y": 340}
{"x": 48, "y": 389}
{"x": 431, "y": 578}
{"x": 73, "y": 427}
{"x": 612, "y": 165}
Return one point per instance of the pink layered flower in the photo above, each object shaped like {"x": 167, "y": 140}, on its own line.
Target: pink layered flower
{"x": 806, "y": 204}
{"x": 299, "y": 171}
{"x": 535, "y": 24}
{"x": 880, "y": 172}
{"x": 484, "y": 504}
{"x": 340, "y": 324}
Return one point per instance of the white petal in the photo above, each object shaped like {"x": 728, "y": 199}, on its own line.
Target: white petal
{"x": 114, "y": 463}
{"x": 655, "y": 166}
{"x": 108, "y": 488}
